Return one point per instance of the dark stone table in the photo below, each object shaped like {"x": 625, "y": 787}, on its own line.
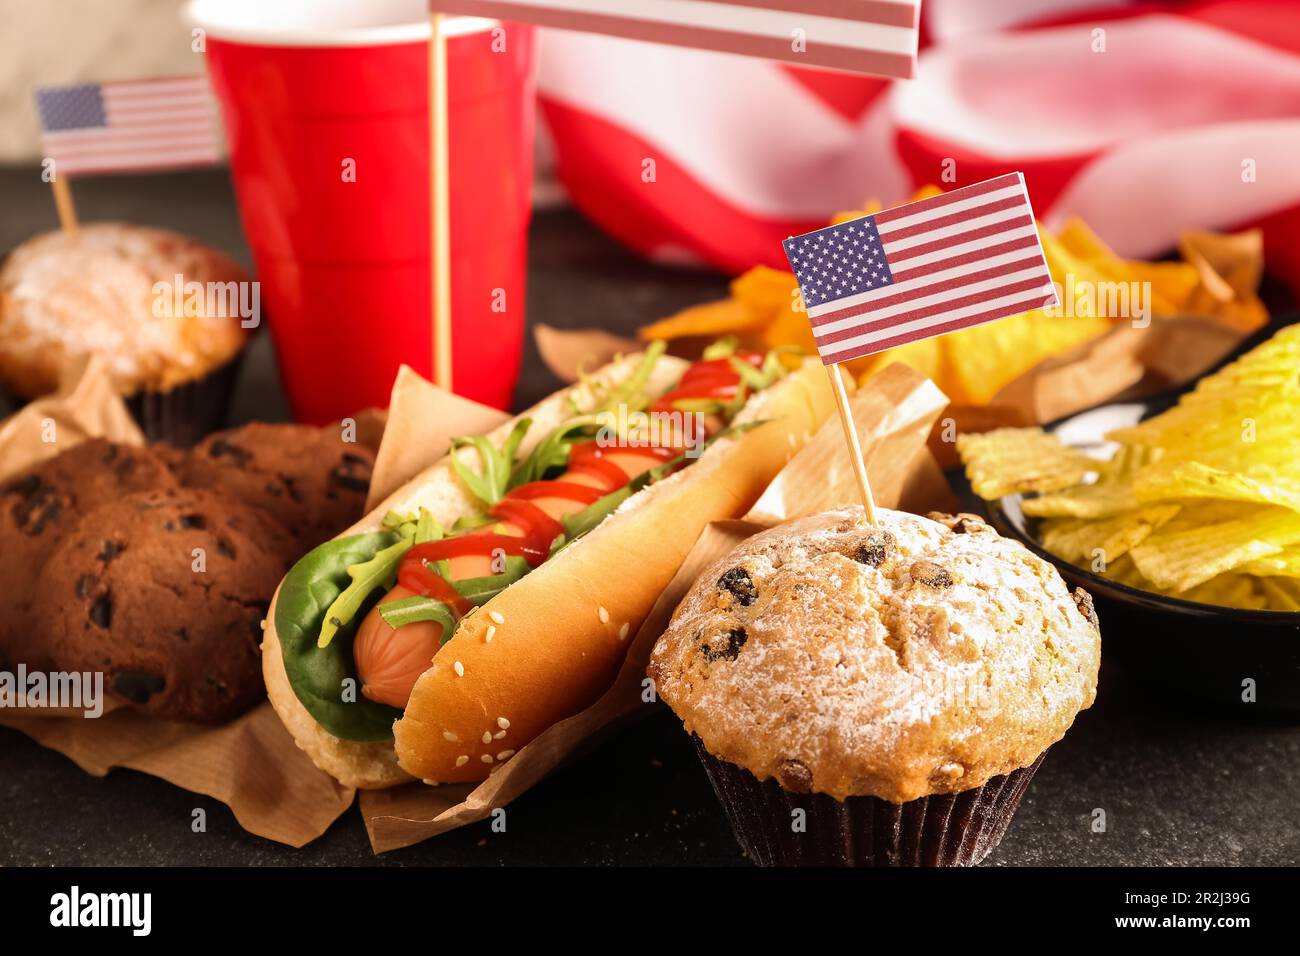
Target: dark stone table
{"x": 1177, "y": 786}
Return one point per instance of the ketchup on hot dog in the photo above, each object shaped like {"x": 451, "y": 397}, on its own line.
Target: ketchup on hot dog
{"x": 528, "y": 520}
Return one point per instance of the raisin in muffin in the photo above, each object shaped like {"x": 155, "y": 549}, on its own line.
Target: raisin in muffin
{"x": 38, "y": 508}
{"x": 876, "y": 694}
{"x": 165, "y": 592}
{"x": 313, "y": 481}
{"x": 64, "y": 298}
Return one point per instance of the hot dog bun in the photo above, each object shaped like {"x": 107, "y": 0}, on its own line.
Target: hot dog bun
{"x": 558, "y": 636}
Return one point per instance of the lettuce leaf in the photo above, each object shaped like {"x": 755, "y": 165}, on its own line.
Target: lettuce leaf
{"x": 490, "y": 483}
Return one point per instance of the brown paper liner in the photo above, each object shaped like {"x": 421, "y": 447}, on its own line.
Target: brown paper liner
{"x": 569, "y": 353}
{"x": 943, "y": 829}
{"x": 184, "y": 415}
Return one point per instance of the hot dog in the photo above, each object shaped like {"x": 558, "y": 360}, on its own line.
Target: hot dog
{"x": 495, "y": 593}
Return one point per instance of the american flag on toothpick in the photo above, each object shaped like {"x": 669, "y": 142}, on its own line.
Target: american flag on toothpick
{"x": 131, "y": 126}
{"x": 960, "y": 259}
{"x": 865, "y": 36}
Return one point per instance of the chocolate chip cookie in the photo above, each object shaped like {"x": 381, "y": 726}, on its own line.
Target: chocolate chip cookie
{"x": 38, "y": 508}
{"x": 313, "y": 481}
{"x": 165, "y": 592}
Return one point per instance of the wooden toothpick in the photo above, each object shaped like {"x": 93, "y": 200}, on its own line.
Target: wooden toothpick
{"x": 851, "y": 437}
{"x": 63, "y": 203}
{"x": 439, "y": 203}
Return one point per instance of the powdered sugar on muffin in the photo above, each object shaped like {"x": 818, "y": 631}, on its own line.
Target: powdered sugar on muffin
{"x": 62, "y": 298}
{"x": 911, "y": 657}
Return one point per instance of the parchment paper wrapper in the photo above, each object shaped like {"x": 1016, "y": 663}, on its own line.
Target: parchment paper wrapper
{"x": 894, "y": 413}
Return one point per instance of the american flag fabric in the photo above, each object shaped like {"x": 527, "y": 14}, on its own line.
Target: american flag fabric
{"x": 131, "y": 126}
{"x": 863, "y": 36}
{"x": 922, "y": 269}
{"x": 748, "y": 152}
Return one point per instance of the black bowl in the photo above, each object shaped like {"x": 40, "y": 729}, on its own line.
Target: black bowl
{"x": 1203, "y": 653}
{"x": 1206, "y": 654}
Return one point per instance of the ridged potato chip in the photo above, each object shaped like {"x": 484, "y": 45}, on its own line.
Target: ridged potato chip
{"x": 1184, "y": 559}
{"x": 1284, "y": 564}
{"x": 1283, "y": 594}
{"x": 1190, "y": 479}
{"x": 1086, "y": 542}
{"x": 1229, "y": 590}
{"x": 1008, "y": 460}
{"x": 1201, "y": 502}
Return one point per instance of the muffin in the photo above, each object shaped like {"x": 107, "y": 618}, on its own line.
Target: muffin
{"x": 175, "y": 629}
{"x": 112, "y": 291}
{"x": 876, "y": 695}
{"x": 313, "y": 481}
{"x": 37, "y": 510}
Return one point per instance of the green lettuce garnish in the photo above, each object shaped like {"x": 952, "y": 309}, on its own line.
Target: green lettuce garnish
{"x": 631, "y": 392}
{"x": 489, "y": 485}
{"x": 379, "y": 572}
{"x": 414, "y": 609}
{"x": 551, "y": 456}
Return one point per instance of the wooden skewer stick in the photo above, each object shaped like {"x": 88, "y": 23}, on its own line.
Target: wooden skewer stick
{"x": 439, "y": 203}
{"x": 851, "y": 437}
{"x": 63, "y": 203}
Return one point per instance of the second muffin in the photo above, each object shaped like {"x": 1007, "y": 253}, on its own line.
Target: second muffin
{"x": 64, "y": 298}
{"x": 876, "y": 695}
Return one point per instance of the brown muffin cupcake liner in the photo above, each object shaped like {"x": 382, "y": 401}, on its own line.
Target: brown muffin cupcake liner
{"x": 946, "y": 829}
{"x": 185, "y": 414}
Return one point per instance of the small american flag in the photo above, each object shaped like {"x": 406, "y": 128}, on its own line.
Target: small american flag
{"x": 967, "y": 257}
{"x": 865, "y": 36}
{"x": 130, "y": 126}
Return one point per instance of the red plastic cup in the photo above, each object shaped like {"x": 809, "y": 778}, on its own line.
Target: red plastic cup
{"x": 326, "y": 110}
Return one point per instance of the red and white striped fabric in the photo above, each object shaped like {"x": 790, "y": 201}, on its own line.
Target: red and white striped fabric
{"x": 918, "y": 270}
{"x": 1189, "y": 118}
{"x": 131, "y": 126}
{"x": 866, "y": 36}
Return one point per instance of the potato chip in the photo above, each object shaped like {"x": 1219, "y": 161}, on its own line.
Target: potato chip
{"x": 1282, "y": 594}
{"x": 1124, "y": 465}
{"x": 766, "y": 290}
{"x": 1228, "y": 590}
{"x": 1124, "y": 571}
{"x": 1171, "y": 284}
{"x": 1098, "y": 544}
{"x": 1190, "y": 479}
{"x": 725, "y": 317}
{"x": 1008, "y": 460}
{"x": 927, "y": 356}
{"x": 1183, "y": 559}
{"x": 984, "y": 359}
{"x": 1284, "y": 564}
{"x": 1085, "y": 501}
{"x": 790, "y": 327}
{"x": 1083, "y": 243}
